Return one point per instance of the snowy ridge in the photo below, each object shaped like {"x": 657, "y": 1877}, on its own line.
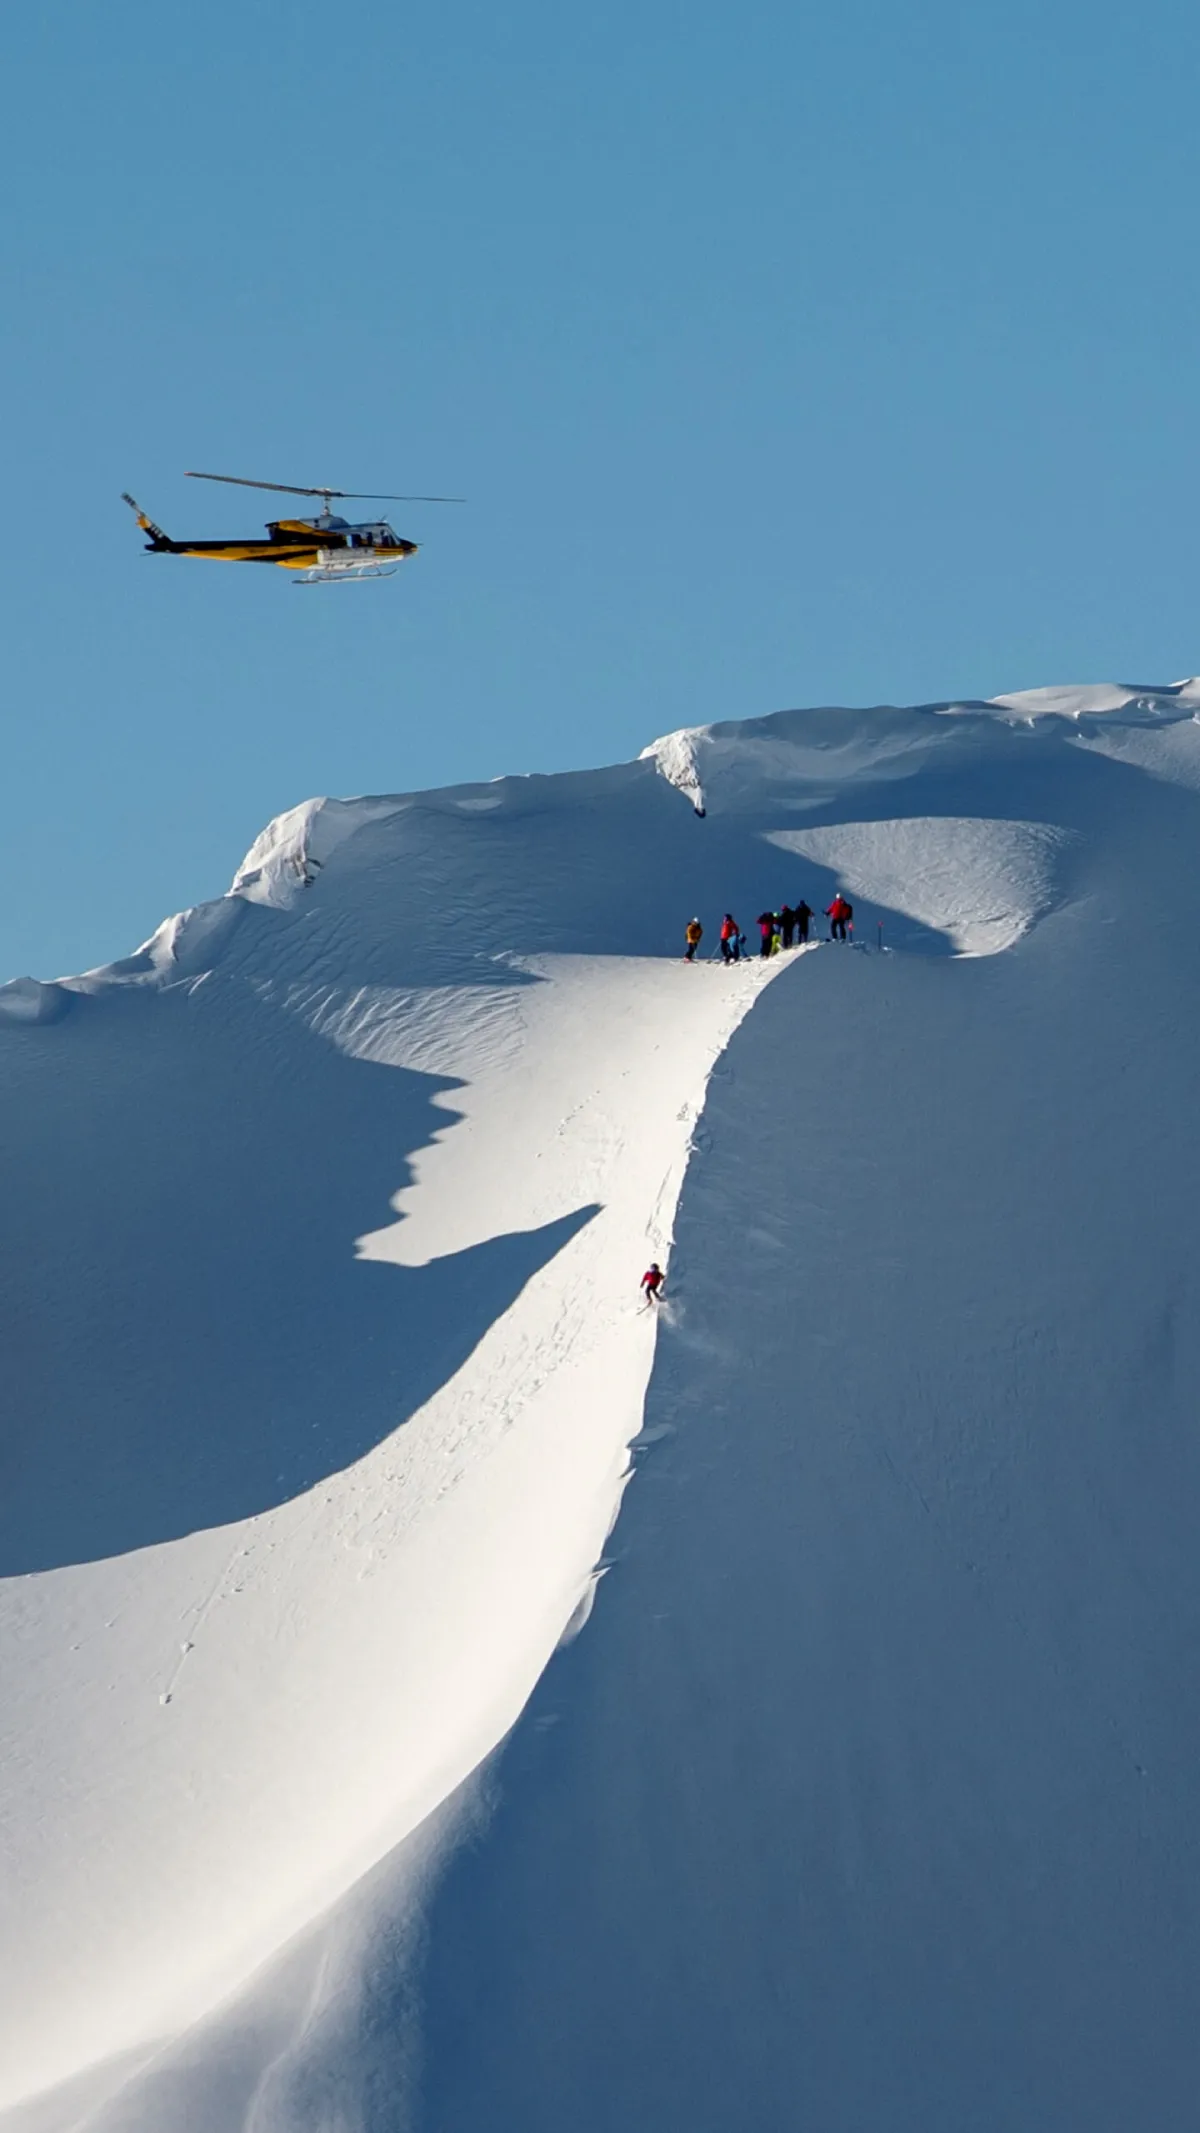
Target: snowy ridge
{"x": 981, "y": 883}
{"x": 295, "y": 846}
{"x": 324, "y": 1365}
{"x": 715, "y": 764}
{"x": 341, "y": 1475}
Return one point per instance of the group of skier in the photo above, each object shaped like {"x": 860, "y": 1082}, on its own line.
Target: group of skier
{"x": 785, "y": 928}
{"x": 778, "y": 930}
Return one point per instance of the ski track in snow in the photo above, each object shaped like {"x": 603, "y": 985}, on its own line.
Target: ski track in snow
{"x": 300, "y": 1698}
{"x": 328, "y": 1357}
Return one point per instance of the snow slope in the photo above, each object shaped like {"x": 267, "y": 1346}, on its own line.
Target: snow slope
{"x": 868, "y": 1795}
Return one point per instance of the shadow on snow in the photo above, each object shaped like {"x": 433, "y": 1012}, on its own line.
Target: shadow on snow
{"x": 188, "y": 1336}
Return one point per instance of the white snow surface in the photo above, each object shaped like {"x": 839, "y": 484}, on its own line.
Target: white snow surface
{"x": 868, "y": 1794}
{"x": 980, "y": 883}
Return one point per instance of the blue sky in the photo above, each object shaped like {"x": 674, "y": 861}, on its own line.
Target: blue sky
{"x": 839, "y": 352}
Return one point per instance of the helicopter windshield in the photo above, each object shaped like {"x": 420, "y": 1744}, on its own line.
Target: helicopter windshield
{"x": 378, "y": 536}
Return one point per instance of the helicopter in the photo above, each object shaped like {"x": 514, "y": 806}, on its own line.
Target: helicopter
{"x": 326, "y": 550}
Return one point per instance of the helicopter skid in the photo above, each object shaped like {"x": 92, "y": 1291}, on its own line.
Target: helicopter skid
{"x": 344, "y": 573}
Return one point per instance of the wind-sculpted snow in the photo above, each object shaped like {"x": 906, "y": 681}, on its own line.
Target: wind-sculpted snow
{"x": 868, "y": 1794}
{"x": 821, "y": 752}
{"x": 980, "y": 883}
{"x": 27, "y": 1000}
{"x": 322, "y": 1355}
{"x": 253, "y": 1355}
{"x": 871, "y": 1797}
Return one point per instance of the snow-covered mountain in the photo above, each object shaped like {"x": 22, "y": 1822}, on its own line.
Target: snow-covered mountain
{"x": 868, "y": 1796}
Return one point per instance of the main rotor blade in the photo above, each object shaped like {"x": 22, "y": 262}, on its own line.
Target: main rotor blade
{"x": 384, "y": 496}
{"x": 289, "y": 488}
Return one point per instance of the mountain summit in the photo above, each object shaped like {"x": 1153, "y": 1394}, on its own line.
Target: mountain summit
{"x": 866, "y": 1796}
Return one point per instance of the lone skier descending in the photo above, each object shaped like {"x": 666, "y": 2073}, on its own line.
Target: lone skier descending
{"x": 839, "y": 913}
{"x": 652, "y": 1281}
{"x": 693, "y": 936}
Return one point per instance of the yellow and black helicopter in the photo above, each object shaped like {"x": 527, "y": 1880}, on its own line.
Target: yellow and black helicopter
{"x": 323, "y": 551}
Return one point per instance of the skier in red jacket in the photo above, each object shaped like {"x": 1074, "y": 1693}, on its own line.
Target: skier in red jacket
{"x": 839, "y": 912}
{"x": 652, "y": 1281}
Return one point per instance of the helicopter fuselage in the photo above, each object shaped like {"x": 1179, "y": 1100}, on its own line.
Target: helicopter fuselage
{"x": 328, "y": 545}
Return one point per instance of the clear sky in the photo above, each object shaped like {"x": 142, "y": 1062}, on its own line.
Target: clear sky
{"x": 786, "y": 353}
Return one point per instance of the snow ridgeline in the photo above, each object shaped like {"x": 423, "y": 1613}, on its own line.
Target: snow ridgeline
{"x": 745, "y": 755}
{"x": 306, "y": 1489}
